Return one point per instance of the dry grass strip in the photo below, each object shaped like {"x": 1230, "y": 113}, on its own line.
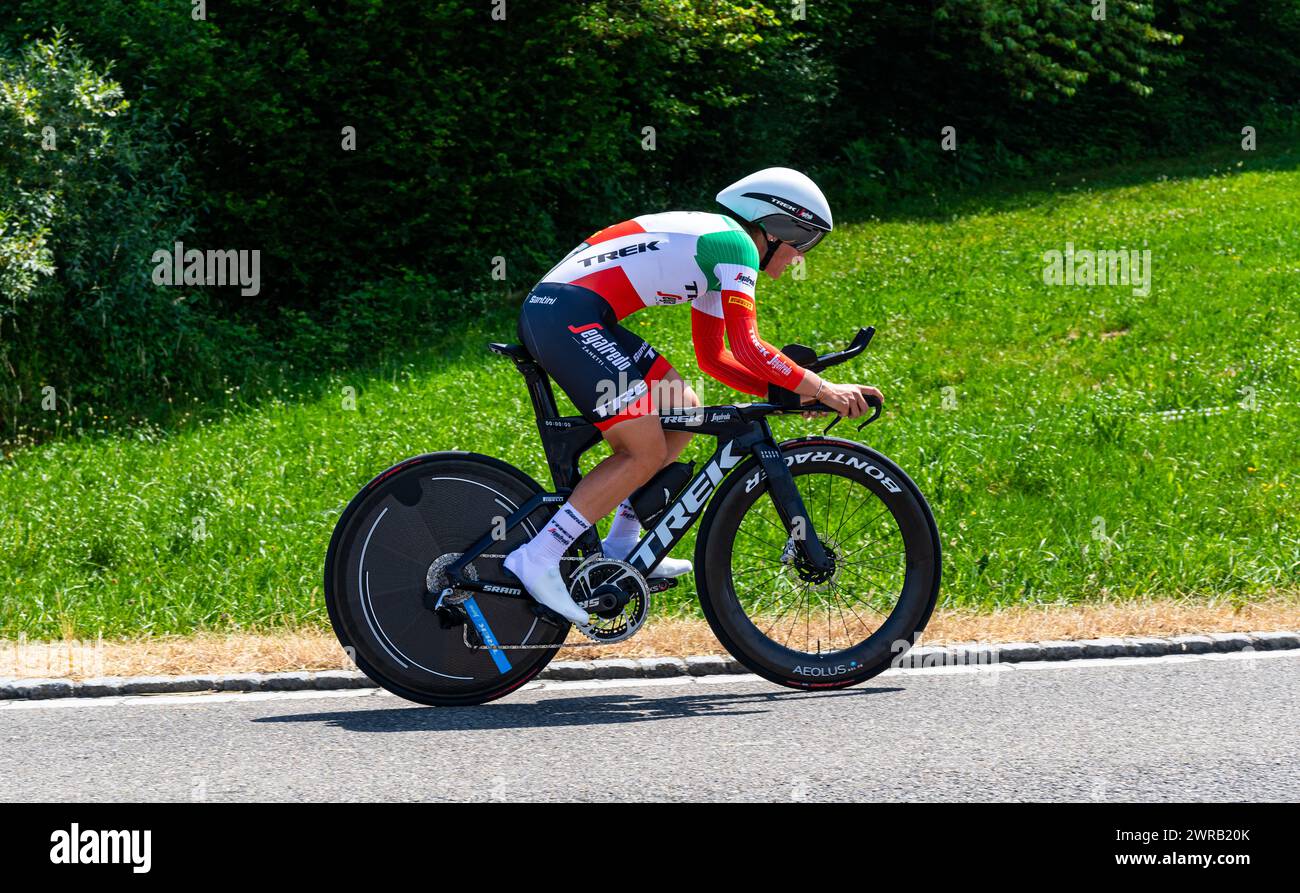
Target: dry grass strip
{"x": 317, "y": 649}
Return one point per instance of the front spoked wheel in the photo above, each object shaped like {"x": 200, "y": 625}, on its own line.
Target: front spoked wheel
{"x": 806, "y": 628}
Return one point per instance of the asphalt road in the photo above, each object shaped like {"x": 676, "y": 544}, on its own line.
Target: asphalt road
{"x": 1212, "y": 728}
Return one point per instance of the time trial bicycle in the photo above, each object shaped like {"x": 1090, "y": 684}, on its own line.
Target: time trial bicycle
{"x": 816, "y": 565}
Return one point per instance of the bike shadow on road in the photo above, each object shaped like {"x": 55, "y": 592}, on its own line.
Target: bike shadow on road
{"x": 579, "y": 710}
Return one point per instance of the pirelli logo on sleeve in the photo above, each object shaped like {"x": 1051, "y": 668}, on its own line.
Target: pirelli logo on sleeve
{"x": 741, "y": 300}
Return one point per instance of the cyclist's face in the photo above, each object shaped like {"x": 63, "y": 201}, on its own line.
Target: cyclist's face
{"x": 784, "y": 256}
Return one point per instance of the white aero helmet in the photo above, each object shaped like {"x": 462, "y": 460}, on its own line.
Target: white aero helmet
{"x": 784, "y": 202}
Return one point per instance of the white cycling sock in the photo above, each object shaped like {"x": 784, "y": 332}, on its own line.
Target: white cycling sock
{"x": 537, "y": 562}
{"x": 549, "y": 546}
{"x": 624, "y": 531}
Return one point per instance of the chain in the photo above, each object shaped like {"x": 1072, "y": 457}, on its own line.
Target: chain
{"x": 460, "y": 597}
{"x": 464, "y": 634}
{"x": 502, "y": 557}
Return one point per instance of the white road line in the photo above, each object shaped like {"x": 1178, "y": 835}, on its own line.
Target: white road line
{"x": 197, "y": 699}
{"x": 202, "y": 699}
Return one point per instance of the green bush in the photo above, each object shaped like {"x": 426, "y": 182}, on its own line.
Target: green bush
{"x": 479, "y": 140}
{"x": 90, "y": 186}
{"x": 392, "y": 317}
{"x": 474, "y": 137}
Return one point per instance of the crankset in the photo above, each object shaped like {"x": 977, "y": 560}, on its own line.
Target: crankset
{"x": 615, "y": 593}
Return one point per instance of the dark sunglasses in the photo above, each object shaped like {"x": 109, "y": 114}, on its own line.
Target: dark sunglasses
{"x": 800, "y": 235}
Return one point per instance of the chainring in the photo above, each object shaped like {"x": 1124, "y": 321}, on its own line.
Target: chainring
{"x": 598, "y": 571}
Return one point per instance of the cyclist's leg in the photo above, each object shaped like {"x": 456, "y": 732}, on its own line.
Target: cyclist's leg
{"x": 630, "y": 425}
{"x": 609, "y": 373}
{"x": 672, "y": 392}
{"x": 639, "y": 451}
{"x": 669, "y": 393}
{"x": 641, "y": 447}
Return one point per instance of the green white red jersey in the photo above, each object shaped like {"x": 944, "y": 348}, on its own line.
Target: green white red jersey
{"x": 686, "y": 257}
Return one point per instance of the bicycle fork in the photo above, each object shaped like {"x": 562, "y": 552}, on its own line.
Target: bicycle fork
{"x": 789, "y": 506}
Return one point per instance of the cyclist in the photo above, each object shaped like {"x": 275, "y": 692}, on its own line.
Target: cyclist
{"x": 570, "y": 325}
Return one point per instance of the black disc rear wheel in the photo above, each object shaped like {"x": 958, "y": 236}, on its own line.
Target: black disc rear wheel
{"x": 389, "y": 551}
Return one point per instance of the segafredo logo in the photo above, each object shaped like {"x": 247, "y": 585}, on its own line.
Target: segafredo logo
{"x": 590, "y": 336}
{"x": 681, "y": 513}
{"x": 842, "y": 457}
{"x": 78, "y": 847}
{"x": 745, "y": 278}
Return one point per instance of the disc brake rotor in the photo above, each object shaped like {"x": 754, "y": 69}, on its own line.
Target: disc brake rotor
{"x": 792, "y": 560}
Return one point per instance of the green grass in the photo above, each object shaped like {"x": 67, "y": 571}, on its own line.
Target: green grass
{"x": 1050, "y": 423}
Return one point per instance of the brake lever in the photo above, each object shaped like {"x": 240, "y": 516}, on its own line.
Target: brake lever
{"x": 871, "y": 401}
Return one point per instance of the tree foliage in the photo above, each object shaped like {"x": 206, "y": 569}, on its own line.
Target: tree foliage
{"x": 478, "y": 138}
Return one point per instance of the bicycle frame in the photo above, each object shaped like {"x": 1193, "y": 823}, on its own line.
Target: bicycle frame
{"x": 741, "y": 431}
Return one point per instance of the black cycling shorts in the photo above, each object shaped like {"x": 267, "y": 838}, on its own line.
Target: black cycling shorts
{"x": 606, "y": 370}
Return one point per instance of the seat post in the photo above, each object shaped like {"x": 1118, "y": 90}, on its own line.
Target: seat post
{"x": 539, "y": 390}
{"x": 562, "y": 441}
{"x": 539, "y": 385}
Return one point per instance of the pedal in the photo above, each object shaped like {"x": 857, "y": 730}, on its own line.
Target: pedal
{"x": 661, "y": 583}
